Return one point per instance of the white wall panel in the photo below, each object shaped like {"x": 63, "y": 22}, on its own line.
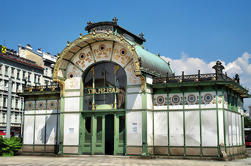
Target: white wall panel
{"x": 40, "y": 129}
{"x": 160, "y": 129}
{"x": 176, "y": 128}
{"x": 149, "y": 128}
{"x": 134, "y": 101}
{"x": 71, "y": 129}
{"x": 192, "y": 122}
{"x": 149, "y": 101}
{"x": 230, "y": 129}
{"x": 209, "y": 128}
{"x": 237, "y": 130}
{"x": 221, "y": 127}
{"x": 133, "y": 89}
{"x": 71, "y": 104}
{"x": 28, "y": 129}
{"x": 51, "y": 129}
{"x": 234, "y": 131}
{"x": 134, "y": 128}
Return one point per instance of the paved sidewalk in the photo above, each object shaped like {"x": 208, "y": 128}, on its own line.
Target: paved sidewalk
{"x": 111, "y": 161}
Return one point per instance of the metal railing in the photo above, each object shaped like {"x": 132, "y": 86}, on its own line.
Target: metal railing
{"x": 41, "y": 88}
{"x": 194, "y": 78}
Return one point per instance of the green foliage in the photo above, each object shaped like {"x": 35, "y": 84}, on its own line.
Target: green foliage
{"x": 247, "y": 122}
{"x": 8, "y": 147}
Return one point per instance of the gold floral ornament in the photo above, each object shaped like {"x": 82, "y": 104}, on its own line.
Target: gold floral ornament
{"x": 40, "y": 105}
{"x": 52, "y": 105}
{"x": 29, "y": 105}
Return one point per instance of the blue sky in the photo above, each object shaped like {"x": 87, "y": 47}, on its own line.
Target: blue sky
{"x": 204, "y": 29}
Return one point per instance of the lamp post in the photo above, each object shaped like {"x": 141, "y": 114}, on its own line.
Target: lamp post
{"x": 8, "y": 121}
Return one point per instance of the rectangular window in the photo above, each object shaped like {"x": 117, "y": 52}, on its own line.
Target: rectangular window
{"x": 16, "y": 103}
{"x": 12, "y": 72}
{"x": 4, "y": 101}
{"x": 1, "y": 69}
{"x": 17, "y": 87}
{"x": 38, "y": 80}
{"x": 23, "y": 75}
{"x": 3, "y": 116}
{"x": 29, "y": 77}
{"x": 6, "y": 71}
{"x": 35, "y": 78}
{"x": 18, "y": 74}
{"x": 16, "y": 115}
{"x": 6, "y": 84}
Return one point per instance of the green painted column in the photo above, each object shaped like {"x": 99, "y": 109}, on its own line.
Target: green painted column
{"x": 116, "y": 133}
{"x": 224, "y": 119}
{"x": 217, "y": 118}
{"x": 144, "y": 120}
{"x": 201, "y": 151}
{"x": 184, "y": 120}
{"x": 93, "y": 133}
{"x": 61, "y": 123}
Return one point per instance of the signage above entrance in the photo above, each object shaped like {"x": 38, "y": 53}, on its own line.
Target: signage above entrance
{"x": 103, "y": 90}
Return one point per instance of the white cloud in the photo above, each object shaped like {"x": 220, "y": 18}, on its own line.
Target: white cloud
{"x": 191, "y": 65}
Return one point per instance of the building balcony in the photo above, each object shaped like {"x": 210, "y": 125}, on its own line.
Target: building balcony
{"x": 42, "y": 88}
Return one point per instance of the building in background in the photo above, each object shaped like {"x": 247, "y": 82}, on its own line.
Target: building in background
{"x": 23, "y": 67}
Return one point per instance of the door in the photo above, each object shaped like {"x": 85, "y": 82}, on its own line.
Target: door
{"x": 109, "y": 134}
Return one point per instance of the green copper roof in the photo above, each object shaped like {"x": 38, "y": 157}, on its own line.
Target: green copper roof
{"x": 151, "y": 63}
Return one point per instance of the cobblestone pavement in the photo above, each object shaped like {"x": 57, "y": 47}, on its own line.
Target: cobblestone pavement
{"x": 111, "y": 161}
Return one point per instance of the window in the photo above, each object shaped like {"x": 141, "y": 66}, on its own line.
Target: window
{"x": 35, "y": 78}
{"x": 29, "y": 77}
{"x": 18, "y": 74}
{"x": 38, "y": 79}
{"x": 5, "y": 83}
{"x": 6, "y": 71}
{"x": 3, "y": 116}
{"x": 46, "y": 82}
{"x": 1, "y": 69}
{"x": 16, "y": 115}
{"x": 4, "y": 101}
{"x": 17, "y": 87}
{"x": 16, "y": 103}
{"x": 109, "y": 82}
{"x": 23, "y": 75}
{"x": 12, "y": 72}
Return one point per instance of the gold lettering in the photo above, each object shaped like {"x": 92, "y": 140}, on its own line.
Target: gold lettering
{"x": 117, "y": 90}
{"x": 113, "y": 90}
{"x": 89, "y": 91}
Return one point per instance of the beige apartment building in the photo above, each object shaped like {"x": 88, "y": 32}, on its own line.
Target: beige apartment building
{"x": 23, "y": 67}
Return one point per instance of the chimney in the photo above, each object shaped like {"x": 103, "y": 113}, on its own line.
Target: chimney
{"x": 28, "y": 46}
{"x": 39, "y": 51}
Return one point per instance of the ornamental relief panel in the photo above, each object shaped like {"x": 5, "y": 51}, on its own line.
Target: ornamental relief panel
{"x": 41, "y": 105}
{"x": 52, "y": 104}
{"x": 160, "y": 100}
{"x": 29, "y": 105}
{"x": 121, "y": 55}
{"x": 83, "y": 58}
{"x": 102, "y": 50}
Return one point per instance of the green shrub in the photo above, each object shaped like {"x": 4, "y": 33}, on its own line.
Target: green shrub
{"x": 10, "y": 146}
{"x": 1, "y": 144}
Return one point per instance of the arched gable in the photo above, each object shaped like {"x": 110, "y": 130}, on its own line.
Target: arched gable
{"x": 92, "y": 48}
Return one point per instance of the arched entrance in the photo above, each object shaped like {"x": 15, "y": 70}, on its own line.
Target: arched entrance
{"x": 103, "y": 109}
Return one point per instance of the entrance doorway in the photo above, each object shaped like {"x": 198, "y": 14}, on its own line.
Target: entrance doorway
{"x": 109, "y": 134}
